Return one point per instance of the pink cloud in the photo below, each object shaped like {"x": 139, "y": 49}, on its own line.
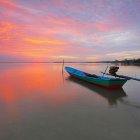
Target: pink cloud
{"x": 8, "y": 4}
{"x": 109, "y": 26}
{"x": 6, "y": 26}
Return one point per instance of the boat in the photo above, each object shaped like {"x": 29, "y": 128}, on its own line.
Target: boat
{"x": 102, "y": 81}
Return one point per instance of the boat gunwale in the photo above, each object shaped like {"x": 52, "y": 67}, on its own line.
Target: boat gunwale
{"x": 97, "y": 78}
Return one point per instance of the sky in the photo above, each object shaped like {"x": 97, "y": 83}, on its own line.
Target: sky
{"x": 73, "y": 30}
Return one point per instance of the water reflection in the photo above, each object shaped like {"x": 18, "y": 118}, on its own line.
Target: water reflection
{"x": 30, "y": 87}
{"x": 110, "y": 94}
{"x": 39, "y": 101}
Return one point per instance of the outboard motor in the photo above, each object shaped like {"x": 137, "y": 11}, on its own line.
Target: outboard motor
{"x": 113, "y": 70}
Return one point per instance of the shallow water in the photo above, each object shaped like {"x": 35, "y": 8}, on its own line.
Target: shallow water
{"x": 40, "y": 101}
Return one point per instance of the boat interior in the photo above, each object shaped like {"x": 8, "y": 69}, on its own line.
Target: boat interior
{"x": 91, "y": 75}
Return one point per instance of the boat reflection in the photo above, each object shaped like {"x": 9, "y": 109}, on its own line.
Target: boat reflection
{"x": 112, "y": 95}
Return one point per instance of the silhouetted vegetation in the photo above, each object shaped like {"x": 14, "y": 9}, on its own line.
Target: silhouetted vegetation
{"x": 128, "y": 61}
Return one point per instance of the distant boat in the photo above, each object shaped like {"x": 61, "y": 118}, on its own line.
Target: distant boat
{"x": 105, "y": 82}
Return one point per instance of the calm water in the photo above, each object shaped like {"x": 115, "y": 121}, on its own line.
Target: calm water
{"x": 39, "y": 102}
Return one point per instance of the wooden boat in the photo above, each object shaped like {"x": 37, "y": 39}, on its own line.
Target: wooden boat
{"x": 101, "y": 81}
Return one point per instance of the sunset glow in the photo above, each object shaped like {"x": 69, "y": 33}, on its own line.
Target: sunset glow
{"x": 52, "y": 30}
{"x": 33, "y": 79}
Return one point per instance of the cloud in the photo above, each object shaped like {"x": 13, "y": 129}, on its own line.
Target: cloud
{"x": 6, "y": 26}
{"x": 44, "y": 41}
{"x": 69, "y": 29}
{"x": 8, "y": 4}
{"x": 125, "y": 54}
{"x": 65, "y": 57}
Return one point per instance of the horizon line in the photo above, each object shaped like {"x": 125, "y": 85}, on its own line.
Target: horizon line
{"x": 106, "y": 61}
{"x": 53, "y": 62}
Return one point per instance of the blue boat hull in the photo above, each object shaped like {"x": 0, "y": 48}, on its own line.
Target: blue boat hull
{"x": 101, "y": 81}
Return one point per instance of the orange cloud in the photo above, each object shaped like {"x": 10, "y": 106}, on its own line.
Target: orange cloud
{"x": 65, "y": 56}
{"x": 94, "y": 58}
{"x": 43, "y": 41}
{"x": 6, "y": 26}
